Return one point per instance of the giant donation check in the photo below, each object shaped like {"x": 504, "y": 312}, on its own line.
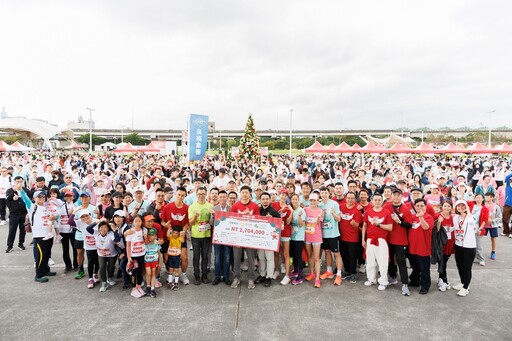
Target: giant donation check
{"x": 249, "y": 231}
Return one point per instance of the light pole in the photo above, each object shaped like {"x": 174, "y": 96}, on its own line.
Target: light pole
{"x": 291, "y": 116}
{"x": 90, "y": 129}
{"x": 490, "y": 119}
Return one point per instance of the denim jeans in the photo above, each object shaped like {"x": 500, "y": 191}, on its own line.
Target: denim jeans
{"x": 222, "y": 260}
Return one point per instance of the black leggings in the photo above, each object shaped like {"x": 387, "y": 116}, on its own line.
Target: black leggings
{"x": 464, "y": 258}
{"x": 69, "y": 238}
{"x": 137, "y": 273}
{"x": 398, "y": 253}
{"x": 296, "y": 253}
{"x": 92, "y": 262}
{"x": 443, "y": 275}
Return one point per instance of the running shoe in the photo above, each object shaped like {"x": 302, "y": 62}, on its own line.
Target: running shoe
{"x": 283, "y": 268}
{"x": 293, "y": 275}
{"x": 103, "y": 287}
{"x": 405, "y": 290}
{"x": 111, "y": 281}
{"x": 135, "y": 293}
{"x": 337, "y": 281}
{"x": 310, "y": 277}
{"x": 393, "y": 280}
{"x": 152, "y": 293}
{"x": 80, "y": 274}
{"x": 251, "y": 284}
{"x": 286, "y": 280}
{"x": 493, "y": 255}
{"x": 317, "y": 283}
{"x": 90, "y": 283}
{"x": 95, "y": 278}
{"x": 235, "y": 283}
{"x": 297, "y": 281}
{"x": 51, "y": 262}
{"x": 352, "y": 279}
{"x": 369, "y": 283}
{"x": 463, "y": 292}
{"x": 327, "y": 275}
{"x": 362, "y": 268}
{"x": 382, "y": 287}
{"x": 184, "y": 279}
{"x": 482, "y": 263}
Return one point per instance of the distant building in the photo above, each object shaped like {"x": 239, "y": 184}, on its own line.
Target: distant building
{"x": 80, "y": 125}
{"x": 3, "y": 114}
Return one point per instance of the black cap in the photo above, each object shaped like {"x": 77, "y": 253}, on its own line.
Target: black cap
{"x": 117, "y": 194}
{"x": 416, "y": 189}
{"x": 396, "y": 190}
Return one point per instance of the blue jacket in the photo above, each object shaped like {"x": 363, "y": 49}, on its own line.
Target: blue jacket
{"x": 508, "y": 190}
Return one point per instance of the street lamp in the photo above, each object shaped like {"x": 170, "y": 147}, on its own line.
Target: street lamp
{"x": 122, "y": 132}
{"x": 291, "y": 112}
{"x": 490, "y": 119}
{"x": 90, "y": 129}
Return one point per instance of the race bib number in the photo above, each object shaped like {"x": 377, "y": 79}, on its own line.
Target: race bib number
{"x": 459, "y": 235}
{"x": 64, "y": 219}
{"x": 90, "y": 241}
{"x": 204, "y": 226}
{"x": 138, "y": 247}
{"x": 104, "y": 252}
{"x": 310, "y": 228}
{"x": 326, "y": 226}
{"x": 174, "y": 251}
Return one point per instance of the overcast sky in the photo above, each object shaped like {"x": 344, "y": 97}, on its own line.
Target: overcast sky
{"x": 337, "y": 64}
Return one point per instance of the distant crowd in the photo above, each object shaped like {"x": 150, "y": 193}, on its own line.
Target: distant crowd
{"x": 134, "y": 218}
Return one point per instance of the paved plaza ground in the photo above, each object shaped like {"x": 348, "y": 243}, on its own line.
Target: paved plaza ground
{"x": 64, "y": 309}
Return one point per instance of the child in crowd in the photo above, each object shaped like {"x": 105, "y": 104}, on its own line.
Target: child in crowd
{"x": 176, "y": 238}
{"x": 494, "y": 222}
{"x": 106, "y": 237}
{"x": 135, "y": 251}
{"x": 151, "y": 261}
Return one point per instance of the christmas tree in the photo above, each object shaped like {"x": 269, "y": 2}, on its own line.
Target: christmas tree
{"x": 249, "y": 149}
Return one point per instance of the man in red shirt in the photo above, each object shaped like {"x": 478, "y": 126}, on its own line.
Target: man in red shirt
{"x": 420, "y": 246}
{"x": 349, "y": 225}
{"x": 377, "y": 223}
{"x": 397, "y": 239}
{"x": 244, "y": 206}
{"x": 174, "y": 216}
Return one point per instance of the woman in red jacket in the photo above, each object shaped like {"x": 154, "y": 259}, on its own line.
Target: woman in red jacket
{"x": 481, "y": 214}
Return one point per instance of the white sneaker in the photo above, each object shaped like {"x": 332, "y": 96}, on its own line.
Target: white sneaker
{"x": 170, "y": 278}
{"x": 111, "y": 281}
{"x": 439, "y": 282}
{"x": 51, "y": 262}
{"x": 458, "y": 286}
{"x": 482, "y": 263}
{"x": 405, "y": 290}
{"x": 276, "y": 275}
{"x": 463, "y": 292}
{"x": 369, "y": 283}
{"x": 283, "y": 269}
{"x": 103, "y": 287}
{"x": 3, "y": 222}
{"x": 235, "y": 283}
{"x": 393, "y": 281}
{"x": 184, "y": 279}
{"x": 382, "y": 287}
{"x": 286, "y": 280}
{"x": 362, "y": 268}
{"x": 95, "y": 278}
{"x": 443, "y": 286}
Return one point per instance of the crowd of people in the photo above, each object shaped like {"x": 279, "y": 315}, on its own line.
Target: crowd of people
{"x": 369, "y": 216}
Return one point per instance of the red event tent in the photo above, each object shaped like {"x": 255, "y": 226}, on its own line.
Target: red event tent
{"x": 316, "y": 148}
{"x": 343, "y": 147}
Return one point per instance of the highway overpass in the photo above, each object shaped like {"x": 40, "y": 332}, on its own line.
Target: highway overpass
{"x": 174, "y": 134}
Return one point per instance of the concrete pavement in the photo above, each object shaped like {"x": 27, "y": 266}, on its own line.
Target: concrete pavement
{"x": 64, "y": 309}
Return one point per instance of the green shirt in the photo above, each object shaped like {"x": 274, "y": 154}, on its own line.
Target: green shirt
{"x": 201, "y": 227}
